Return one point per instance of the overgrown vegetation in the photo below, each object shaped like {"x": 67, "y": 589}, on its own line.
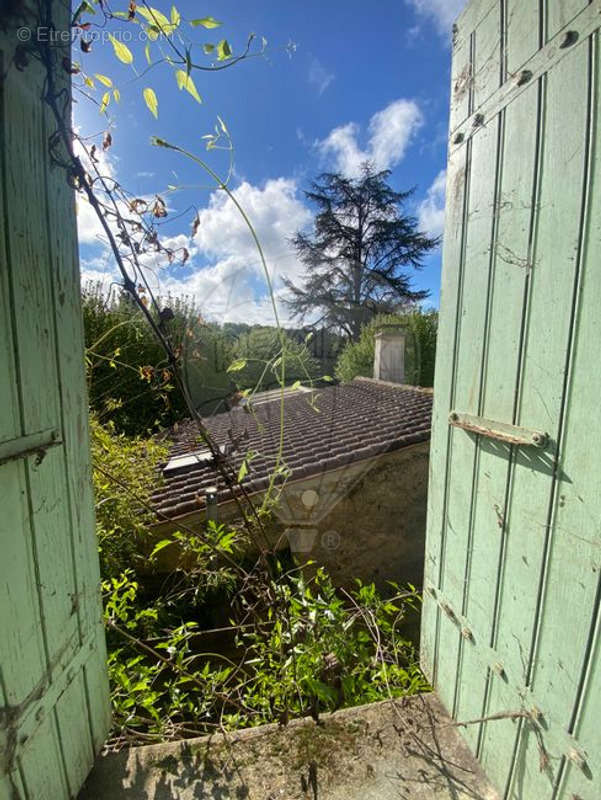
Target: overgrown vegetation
{"x": 130, "y": 381}
{"x": 289, "y": 645}
{"x": 420, "y": 329}
{"x": 320, "y": 653}
{"x": 125, "y": 470}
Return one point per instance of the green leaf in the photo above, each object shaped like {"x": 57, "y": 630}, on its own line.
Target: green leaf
{"x": 147, "y": 53}
{"x": 176, "y": 17}
{"x": 224, "y": 51}
{"x": 122, "y": 51}
{"x": 295, "y": 385}
{"x": 103, "y": 79}
{"x": 184, "y": 81}
{"x": 160, "y": 546}
{"x": 85, "y": 6}
{"x": 206, "y": 22}
{"x": 208, "y": 48}
{"x": 226, "y": 541}
{"x": 116, "y": 95}
{"x": 237, "y": 365}
{"x": 324, "y": 692}
{"x": 151, "y": 101}
{"x": 155, "y": 17}
{"x": 106, "y": 99}
{"x": 243, "y": 471}
{"x": 328, "y": 378}
{"x": 222, "y": 126}
{"x": 88, "y": 82}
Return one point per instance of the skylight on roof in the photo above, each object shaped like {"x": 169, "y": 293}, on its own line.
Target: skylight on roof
{"x": 187, "y": 460}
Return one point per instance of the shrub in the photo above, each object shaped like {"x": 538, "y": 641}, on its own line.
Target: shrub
{"x": 312, "y": 651}
{"x": 259, "y": 348}
{"x": 130, "y": 382}
{"x": 124, "y": 471}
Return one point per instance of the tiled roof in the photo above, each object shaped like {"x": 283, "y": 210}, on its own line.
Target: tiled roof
{"x": 355, "y": 421}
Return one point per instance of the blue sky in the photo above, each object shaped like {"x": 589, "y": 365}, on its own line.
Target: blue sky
{"x": 340, "y": 81}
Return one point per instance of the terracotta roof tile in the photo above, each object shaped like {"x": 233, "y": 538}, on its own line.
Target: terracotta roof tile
{"x": 355, "y": 421}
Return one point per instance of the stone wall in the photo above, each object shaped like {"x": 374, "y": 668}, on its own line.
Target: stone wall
{"x": 376, "y": 531}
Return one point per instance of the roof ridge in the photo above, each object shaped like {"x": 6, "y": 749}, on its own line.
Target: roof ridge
{"x": 392, "y": 385}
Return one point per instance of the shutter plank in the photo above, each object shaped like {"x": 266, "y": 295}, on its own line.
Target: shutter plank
{"x": 508, "y": 286}
{"x": 452, "y": 278}
{"x": 471, "y": 327}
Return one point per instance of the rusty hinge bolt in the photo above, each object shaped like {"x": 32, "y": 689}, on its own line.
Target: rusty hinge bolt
{"x": 458, "y": 138}
{"x": 467, "y": 634}
{"x": 577, "y": 758}
{"x": 478, "y": 120}
{"x": 568, "y": 39}
{"x": 499, "y": 669}
{"x": 523, "y": 78}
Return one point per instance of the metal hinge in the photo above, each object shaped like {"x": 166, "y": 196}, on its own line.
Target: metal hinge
{"x": 33, "y": 443}
{"x": 502, "y": 431}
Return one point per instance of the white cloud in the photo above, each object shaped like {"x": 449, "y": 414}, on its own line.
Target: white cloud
{"x": 223, "y": 273}
{"x": 442, "y": 12}
{"x": 96, "y": 271}
{"x": 390, "y": 133}
{"x": 233, "y": 286}
{"x": 89, "y": 228}
{"x": 319, "y": 76}
{"x": 431, "y": 210}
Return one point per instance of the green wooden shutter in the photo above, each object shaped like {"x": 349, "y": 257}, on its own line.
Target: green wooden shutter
{"x": 53, "y": 686}
{"x": 512, "y": 619}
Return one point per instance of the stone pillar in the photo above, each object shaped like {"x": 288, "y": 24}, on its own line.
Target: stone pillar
{"x": 389, "y": 356}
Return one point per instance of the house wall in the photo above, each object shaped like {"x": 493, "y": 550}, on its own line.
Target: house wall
{"x": 365, "y": 521}
{"x": 375, "y": 530}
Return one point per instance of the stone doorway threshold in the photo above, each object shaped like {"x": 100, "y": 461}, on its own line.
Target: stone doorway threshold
{"x": 408, "y": 750}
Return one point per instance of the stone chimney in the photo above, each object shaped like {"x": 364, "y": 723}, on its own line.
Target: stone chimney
{"x": 389, "y": 355}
